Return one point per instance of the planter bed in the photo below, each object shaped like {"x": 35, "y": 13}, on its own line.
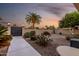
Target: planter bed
{"x": 4, "y": 45}
{"x": 49, "y": 50}
{"x": 4, "y": 48}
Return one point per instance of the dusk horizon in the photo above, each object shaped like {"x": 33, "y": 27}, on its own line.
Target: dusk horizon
{"x": 51, "y": 13}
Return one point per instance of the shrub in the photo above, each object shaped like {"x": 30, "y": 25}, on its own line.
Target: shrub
{"x": 76, "y": 36}
{"x": 68, "y": 38}
{"x": 46, "y": 33}
{"x": 8, "y": 37}
{"x": 37, "y": 27}
{"x": 33, "y": 38}
{"x": 42, "y": 40}
{"x": 5, "y": 38}
{"x": 54, "y": 31}
{"x": 60, "y": 33}
{"x": 32, "y": 33}
{"x": 26, "y": 35}
{"x": 3, "y": 29}
{"x": 29, "y": 34}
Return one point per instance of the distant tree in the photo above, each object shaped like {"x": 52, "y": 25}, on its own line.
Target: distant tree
{"x": 46, "y": 27}
{"x": 69, "y": 20}
{"x": 0, "y": 18}
{"x": 33, "y": 18}
{"x": 51, "y": 27}
{"x": 14, "y": 25}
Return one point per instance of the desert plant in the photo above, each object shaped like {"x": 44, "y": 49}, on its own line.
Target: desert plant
{"x": 46, "y": 27}
{"x": 33, "y": 38}
{"x": 3, "y": 29}
{"x": 32, "y": 35}
{"x": 42, "y": 40}
{"x": 68, "y": 38}
{"x": 5, "y": 38}
{"x": 60, "y": 33}
{"x": 46, "y": 33}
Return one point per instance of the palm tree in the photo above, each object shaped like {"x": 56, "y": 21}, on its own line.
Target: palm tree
{"x": 33, "y": 18}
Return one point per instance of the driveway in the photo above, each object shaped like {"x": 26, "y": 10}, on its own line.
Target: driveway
{"x": 19, "y": 47}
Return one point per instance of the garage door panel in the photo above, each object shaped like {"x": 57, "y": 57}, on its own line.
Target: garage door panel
{"x": 16, "y": 31}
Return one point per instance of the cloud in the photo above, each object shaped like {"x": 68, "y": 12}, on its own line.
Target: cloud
{"x": 57, "y": 8}
{"x": 15, "y": 12}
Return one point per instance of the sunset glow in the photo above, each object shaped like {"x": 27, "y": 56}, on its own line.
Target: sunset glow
{"x": 49, "y": 22}
{"x": 50, "y": 13}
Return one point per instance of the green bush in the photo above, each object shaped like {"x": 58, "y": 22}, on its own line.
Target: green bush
{"x": 5, "y": 40}
{"x": 26, "y": 35}
{"x": 42, "y": 40}
{"x": 32, "y": 33}
{"x": 29, "y": 34}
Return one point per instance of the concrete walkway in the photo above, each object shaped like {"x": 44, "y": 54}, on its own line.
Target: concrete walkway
{"x": 19, "y": 47}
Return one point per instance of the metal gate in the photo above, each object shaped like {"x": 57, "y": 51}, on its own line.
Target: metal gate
{"x": 16, "y": 31}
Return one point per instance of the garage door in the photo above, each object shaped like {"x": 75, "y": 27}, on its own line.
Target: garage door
{"x": 16, "y": 31}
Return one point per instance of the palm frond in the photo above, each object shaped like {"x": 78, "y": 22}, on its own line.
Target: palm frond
{"x": 2, "y": 29}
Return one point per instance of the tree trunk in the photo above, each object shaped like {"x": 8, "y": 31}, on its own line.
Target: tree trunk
{"x": 33, "y": 25}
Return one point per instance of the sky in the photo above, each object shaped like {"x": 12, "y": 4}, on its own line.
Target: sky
{"x": 51, "y": 13}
